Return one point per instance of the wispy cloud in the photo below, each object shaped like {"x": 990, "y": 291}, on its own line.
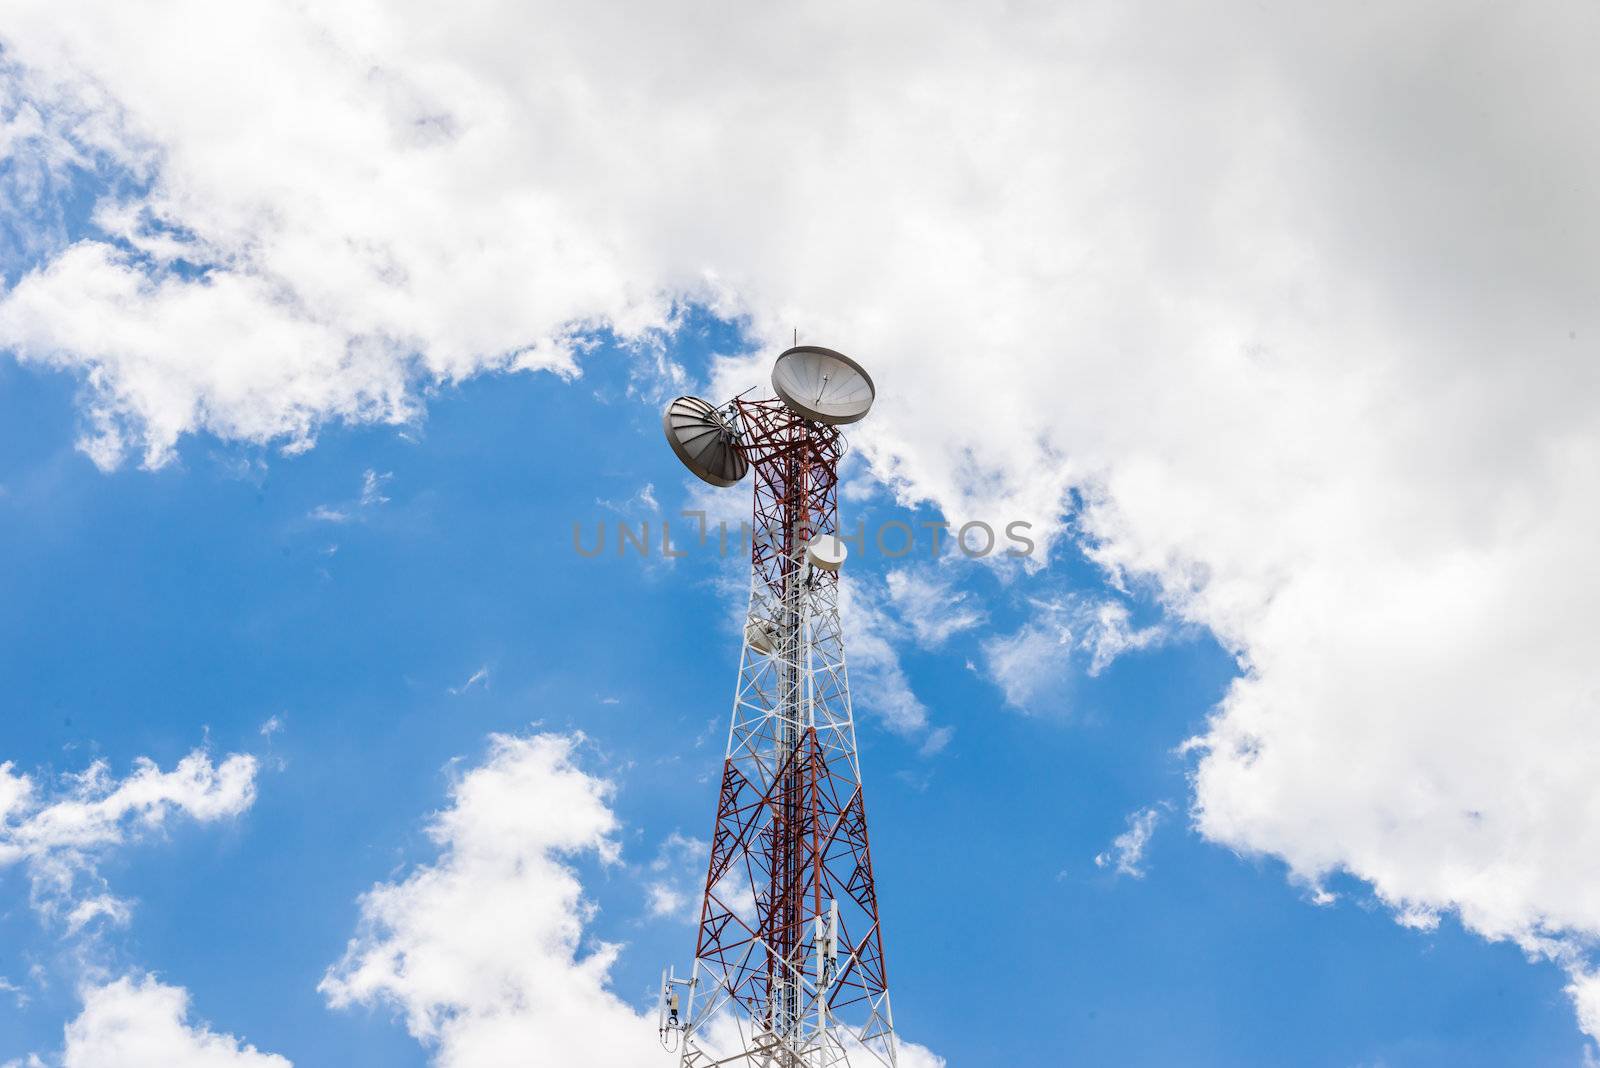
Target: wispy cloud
{"x": 1126, "y": 855}
{"x": 1035, "y": 663}
{"x": 936, "y": 740}
{"x": 477, "y": 678}
{"x": 1029, "y": 663}
{"x": 642, "y": 500}
{"x": 17, "y": 993}
{"x": 372, "y": 484}
{"x": 677, "y": 876}
{"x": 927, "y": 600}
{"x": 1106, "y": 631}
{"x": 879, "y": 681}
{"x": 370, "y": 496}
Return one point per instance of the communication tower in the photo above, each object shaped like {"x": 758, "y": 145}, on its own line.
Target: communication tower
{"x": 789, "y": 965}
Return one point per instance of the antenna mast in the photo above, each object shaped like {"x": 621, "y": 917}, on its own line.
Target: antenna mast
{"x": 789, "y": 965}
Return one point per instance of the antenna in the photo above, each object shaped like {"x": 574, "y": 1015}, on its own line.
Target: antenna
{"x": 826, "y": 551}
{"x": 823, "y": 385}
{"x": 789, "y": 965}
{"x": 668, "y": 1024}
{"x": 703, "y": 441}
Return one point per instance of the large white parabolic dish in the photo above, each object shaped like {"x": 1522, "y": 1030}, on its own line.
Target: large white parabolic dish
{"x": 706, "y": 445}
{"x": 822, "y": 384}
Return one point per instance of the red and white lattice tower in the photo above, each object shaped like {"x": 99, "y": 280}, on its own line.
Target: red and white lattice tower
{"x": 789, "y": 966}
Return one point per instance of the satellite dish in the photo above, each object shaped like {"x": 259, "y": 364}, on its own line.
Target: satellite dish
{"x": 703, "y": 441}
{"x": 826, "y": 551}
{"x": 822, "y": 384}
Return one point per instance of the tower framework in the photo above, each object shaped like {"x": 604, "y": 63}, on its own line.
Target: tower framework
{"x": 789, "y": 965}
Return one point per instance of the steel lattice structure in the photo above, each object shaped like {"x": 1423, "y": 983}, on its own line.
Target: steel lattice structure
{"x": 789, "y": 967}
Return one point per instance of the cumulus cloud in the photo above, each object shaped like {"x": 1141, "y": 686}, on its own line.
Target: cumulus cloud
{"x": 482, "y": 950}
{"x": 59, "y": 830}
{"x": 1585, "y": 993}
{"x": 140, "y": 1022}
{"x": 1296, "y": 302}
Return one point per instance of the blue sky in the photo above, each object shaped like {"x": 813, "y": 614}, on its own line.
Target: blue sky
{"x": 147, "y": 613}
{"x": 321, "y": 328}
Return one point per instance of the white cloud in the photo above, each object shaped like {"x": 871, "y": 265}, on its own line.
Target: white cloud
{"x": 1110, "y": 632}
{"x": 372, "y": 486}
{"x": 677, "y": 877}
{"x": 1029, "y": 664}
{"x": 936, "y": 740}
{"x": 1317, "y": 362}
{"x": 1584, "y": 990}
{"x": 666, "y": 900}
{"x": 60, "y": 830}
{"x": 371, "y": 496}
{"x": 1035, "y": 664}
{"x": 644, "y": 499}
{"x": 1127, "y": 849}
{"x": 927, "y": 600}
{"x": 141, "y": 1023}
{"x": 878, "y": 681}
{"x": 39, "y": 153}
{"x": 116, "y": 911}
{"x": 477, "y": 678}
{"x": 482, "y": 949}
